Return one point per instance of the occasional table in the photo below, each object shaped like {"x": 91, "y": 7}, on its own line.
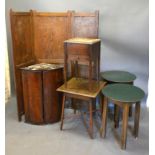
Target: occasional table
{"x": 122, "y": 95}
{"x": 78, "y": 88}
{"x": 117, "y": 76}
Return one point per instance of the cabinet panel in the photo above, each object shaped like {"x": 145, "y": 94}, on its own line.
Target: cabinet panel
{"x": 32, "y": 91}
{"x": 52, "y": 99}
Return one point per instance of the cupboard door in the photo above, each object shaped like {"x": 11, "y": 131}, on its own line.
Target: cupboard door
{"x": 52, "y": 99}
{"x": 33, "y": 98}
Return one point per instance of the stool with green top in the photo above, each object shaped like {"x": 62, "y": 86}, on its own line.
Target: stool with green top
{"x": 116, "y": 76}
{"x": 122, "y": 95}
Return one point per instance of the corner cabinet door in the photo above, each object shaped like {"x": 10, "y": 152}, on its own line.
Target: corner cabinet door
{"x": 52, "y": 99}
{"x": 33, "y": 97}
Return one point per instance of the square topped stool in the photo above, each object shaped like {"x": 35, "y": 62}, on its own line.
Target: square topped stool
{"x": 85, "y": 51}
{"x": 79, "y": 89}
{"x": 117, "y": 76}
{"x": 122, "y": 95}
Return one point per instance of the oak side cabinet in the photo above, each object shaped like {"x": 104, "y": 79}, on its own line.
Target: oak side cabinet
{"x": 42, "y": 104}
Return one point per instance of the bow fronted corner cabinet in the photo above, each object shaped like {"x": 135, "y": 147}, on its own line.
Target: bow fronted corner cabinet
{"x": 42, "y": 104}
{"x": 38, "y": 37}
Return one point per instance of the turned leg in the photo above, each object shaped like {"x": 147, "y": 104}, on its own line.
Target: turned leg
{"x": 62, "y": 112}
{"x": 124, "y": 125}
{"x": 104, "y": 118}
{"x": 91, "y": 119}
{"x": 136, "y": 122}
{"x": 116, "y": 116}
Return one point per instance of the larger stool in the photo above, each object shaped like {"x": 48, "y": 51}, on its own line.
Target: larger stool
{"x": 117, "y": 76}
{"x": 122, "y": 95}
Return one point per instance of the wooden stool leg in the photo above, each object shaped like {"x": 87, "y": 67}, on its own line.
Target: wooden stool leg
{"x": 130, "y": 111}
{"x": 124, "y": 125}
{"x": 91, "y": 119}
{"x": 130, "y": 108}
{"x": 116, "y": 116}
{"x": 104, "y": 118}
{"x": 101, "y": 103}
{"x": 62, "y": 112}
{"x": 136, "y": 122}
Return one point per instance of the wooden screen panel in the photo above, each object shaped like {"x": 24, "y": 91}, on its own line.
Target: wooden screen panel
{"x": 22, "y": 50}
{"x": 85, "y": 24}
{"x": 52, "y": 99}
{"x": 33, "y": 96}
{"x": 50, "y": 31}
{"x": 21, "y": 37}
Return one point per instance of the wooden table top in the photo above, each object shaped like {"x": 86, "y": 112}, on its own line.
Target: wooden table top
{"x": 82, "y": 40}
{"x": 123, "y": 93}
{"x": 80, "y": 86}
{"x": 118, "y": 76}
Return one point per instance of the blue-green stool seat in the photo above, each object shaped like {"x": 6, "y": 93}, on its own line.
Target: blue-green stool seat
{"x": 118, "y": 76}
{"x": 122, "y": 95}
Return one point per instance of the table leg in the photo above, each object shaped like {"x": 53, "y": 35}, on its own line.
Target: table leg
{"x": 73, "y": 101}
{"x": 101, "y": 99}
{"x": 91, "y": 119}
{"x": 90, "y": 75}
{"x": 65, "y": 64}
{"x": 124, "y": 125}
{"x": 116, "y": 116}
{"x": 62, "y": 112}
{"x": 72, "y": 69}
{"x": 130, "y": 108}
{"x": 136, "y": 121}
{"x": 104, "y": 118}
{"x": 130, "y": 111}
{"x": 76, "y": 69}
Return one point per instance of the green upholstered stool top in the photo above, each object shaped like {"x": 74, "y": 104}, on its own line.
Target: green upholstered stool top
{"x": 123, "y": 93}
{"x": 118, "y": 76}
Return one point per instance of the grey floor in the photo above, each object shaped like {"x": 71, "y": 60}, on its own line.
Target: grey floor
{"x": 26, "y": 139}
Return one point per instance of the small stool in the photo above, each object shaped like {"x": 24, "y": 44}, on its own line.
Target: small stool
{"x": 116, "y": 76}
{"x": 122, "y": 95}
{"x": 78, "y": 88}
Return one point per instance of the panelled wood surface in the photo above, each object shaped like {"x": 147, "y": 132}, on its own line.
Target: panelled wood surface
{"x": 52, "y": 99}
{"x": 22, "y": 50}
{"x": 85, "y": 24}
{"x": 42, "y": 102}
{"x": 50, "y": 31}
{"x": 38, "y": 37}
{"x": 33, "y": 97}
